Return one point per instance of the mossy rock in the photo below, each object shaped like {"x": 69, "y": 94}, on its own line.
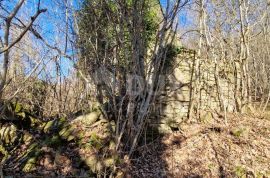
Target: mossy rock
{"x": 80, "y": 135}
{"x": 30, "y": 165}
{"x": 4, "y": 152}
{"x": 32, "y": 146}
{"x": 35, "y": 122}
{"x": 95, "y": 141}
{"x": 61, "y": 121}
{"x": 91, "y": 161}
{"x": 67, "y": 133}
{"x": 54, "y": 125}
{"x": 17, "y": 107}
{"x": 31, "y": 151}
{"x": 48, "y": 126}
{"x": 21, "y": 114}
{"x": 30, "y": 157}
{"x": 8, "y": 134}
{"x": 87, "y": 119}
{"x": 27, "y": 137}
{"x": 52, "y": 141}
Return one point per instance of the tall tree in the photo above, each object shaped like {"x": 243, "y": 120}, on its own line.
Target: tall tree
{"x": 123, "y": 44}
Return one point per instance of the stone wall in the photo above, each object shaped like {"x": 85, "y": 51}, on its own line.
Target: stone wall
{"x": 174, "y": 103}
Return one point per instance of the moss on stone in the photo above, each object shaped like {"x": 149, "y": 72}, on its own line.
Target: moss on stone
{"x": 8, "y": 134}
{"x": 52, "y": 141}
{"x": 48, "y": 126}
{"x": 30, "y": 164}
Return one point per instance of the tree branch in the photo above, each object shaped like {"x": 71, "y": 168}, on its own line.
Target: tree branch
{"x": 24, "y": 31}
{"x": 15, "y": 11}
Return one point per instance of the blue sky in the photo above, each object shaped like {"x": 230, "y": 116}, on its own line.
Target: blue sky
{"x": 183, "y": 19}
{"x": 49, "y": 23}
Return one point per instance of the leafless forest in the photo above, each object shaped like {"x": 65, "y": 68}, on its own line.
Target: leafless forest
{"x": 135, "y": 88}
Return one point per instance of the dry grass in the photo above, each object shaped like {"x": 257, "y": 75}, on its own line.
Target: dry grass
{"x": 241, "y": 149}
{"x": 208, "y": 149}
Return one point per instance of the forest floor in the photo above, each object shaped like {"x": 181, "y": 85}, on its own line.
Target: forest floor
{"x": 240, "y": 149}
{"x": 207, "y": 149}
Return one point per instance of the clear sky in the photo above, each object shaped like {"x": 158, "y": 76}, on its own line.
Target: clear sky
{"x": 52, "y": 26}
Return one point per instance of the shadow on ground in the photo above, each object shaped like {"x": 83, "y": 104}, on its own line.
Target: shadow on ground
{"x": 81, "y": 147}
{"x": 212, "y": 149}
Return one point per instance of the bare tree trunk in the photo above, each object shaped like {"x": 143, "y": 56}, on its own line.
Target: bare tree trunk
{"x": 8, "y": 45}
{"x": 196, "y": 89}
